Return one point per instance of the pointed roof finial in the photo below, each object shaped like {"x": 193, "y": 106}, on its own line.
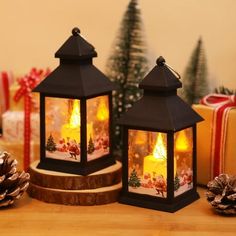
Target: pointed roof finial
{"x": 76, "y": 48}
{"x": 75, "y": 31}
{"x": 160, "y": 61}
{"x": 161, "y": 78}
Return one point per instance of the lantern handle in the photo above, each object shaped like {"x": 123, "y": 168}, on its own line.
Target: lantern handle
{"x": 162, "y": 62}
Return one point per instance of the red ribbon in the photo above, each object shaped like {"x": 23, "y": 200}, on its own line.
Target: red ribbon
{"x": 27, "y": 83}
{"x": 222, "y": 104}
{"x": 5, "y": 81}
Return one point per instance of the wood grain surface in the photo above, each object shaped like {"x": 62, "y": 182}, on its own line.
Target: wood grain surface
{"x": 32, "y": 217}
{"x": 58, "y": 180}
{"x": 86, "y": 197}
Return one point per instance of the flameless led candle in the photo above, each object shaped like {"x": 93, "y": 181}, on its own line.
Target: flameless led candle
{"x": 157, "y": 162}
{"x": 72, "y": 129}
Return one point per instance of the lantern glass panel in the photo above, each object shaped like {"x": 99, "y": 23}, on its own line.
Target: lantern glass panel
{"x": 183, "y": 153}
{"x": 62, "y": 134}
{"x": 147, "y": 163}
{"x": 98, "y": 118}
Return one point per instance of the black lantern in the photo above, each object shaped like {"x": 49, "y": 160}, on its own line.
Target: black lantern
{"x": 75, "y": 112}
{"x": 159, "y": 166}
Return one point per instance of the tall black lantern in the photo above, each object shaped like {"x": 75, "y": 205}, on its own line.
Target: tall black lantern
{"x": 159, "y": 160}
{"x": 75, "y": 112}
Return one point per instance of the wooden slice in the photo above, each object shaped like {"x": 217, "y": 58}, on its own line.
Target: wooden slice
{"x": 88, "y": 197}
{"x": 57, "y": 180}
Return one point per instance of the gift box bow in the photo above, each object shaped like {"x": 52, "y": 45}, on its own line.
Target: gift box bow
{"x": 27, "y": 84}
{"x": 218, "y": 100}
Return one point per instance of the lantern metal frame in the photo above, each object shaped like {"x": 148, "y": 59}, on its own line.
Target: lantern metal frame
{"x": 160, "y": 103}
{"x": 75, "y": 78}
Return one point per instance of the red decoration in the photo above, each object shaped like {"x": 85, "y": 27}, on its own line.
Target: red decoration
{"x": 160, "y": 185}
{"x": 27, "y": 84}
{"x": 5, "y": 81}
{"x": 222, "y": 104}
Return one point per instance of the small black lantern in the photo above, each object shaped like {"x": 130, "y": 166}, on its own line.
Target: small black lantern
{"x": 159, "y": 160}
{"x": 75, "y": 112}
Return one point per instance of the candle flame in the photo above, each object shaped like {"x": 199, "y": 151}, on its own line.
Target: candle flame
{"x": 159, "y": 150}
{"x": 102, "y": 113}
{"x": 182, "y": 142}
{"x": 75, "y": 115}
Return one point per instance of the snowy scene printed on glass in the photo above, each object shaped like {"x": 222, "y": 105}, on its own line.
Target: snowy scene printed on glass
{"x": 97, "y": 127}
{"x": 183, "y": 154}
{"x": 63, "y": 124}
{"x": 62, "y": 134}
{"x": 147, "y": 163}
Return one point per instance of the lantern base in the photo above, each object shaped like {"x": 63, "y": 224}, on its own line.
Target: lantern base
{"x": 88, "y": 197}
{"x": 99, "y": 188}
{"x": 152, "y": 203}
{"x": 57, "y": 180}
{"x": 76, "y": 168}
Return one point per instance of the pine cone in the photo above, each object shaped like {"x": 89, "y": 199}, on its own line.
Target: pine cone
{"x": 222, "y": 194}
{"x": 12, "y": 182}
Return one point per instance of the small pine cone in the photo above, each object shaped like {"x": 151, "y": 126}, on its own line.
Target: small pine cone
{"x": 222, "y": 194}
{"x": 12, "y": 182}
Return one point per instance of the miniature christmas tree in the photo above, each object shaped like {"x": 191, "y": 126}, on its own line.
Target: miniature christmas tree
{"x": 176, "y": 183}
{"x": 134, "y": 180}
{"x": 51, "y": 145}
{"x": 91, "y": 147}
{"x": 195, "y": 84}
{"x": 127, "y": 65}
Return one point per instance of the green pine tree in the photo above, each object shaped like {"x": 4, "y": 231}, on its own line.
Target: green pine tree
{"x": 195, "y": 83}
{"x": 91, "y": 147}
{"x": 127, "y": 65}
{"x": 51, "y": 145}
{"x": 176, "y": 183}
{"x": 134, "y": 180}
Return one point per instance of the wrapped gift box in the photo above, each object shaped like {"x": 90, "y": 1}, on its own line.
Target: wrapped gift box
{"x": 15, "y": 106}
{"x": 19, "y": 105}
{"x": 13, "y": 126}
{"x": 204, "y": 142}
{"x": 24, "y": 146}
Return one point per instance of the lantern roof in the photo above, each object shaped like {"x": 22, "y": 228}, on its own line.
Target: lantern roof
{"x": 160, "y": 108}
{"x": 76, "y": 76}
{"x": 160, "y": 78}
{"x": 76, "y": 47}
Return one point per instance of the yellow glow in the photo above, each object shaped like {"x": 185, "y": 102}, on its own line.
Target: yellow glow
{"x": 156, "y": 163}
{"x": 182, "y": 142}
{"x": 72, "y": 129}
{"x": 75, "y": 115}
{"x": 89, "y": 131}
{"x": 140, "y": 137}
{"x": 155, "y": 166}
{"x": 159, "y": 150}
{"x": 102, "y": 113}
